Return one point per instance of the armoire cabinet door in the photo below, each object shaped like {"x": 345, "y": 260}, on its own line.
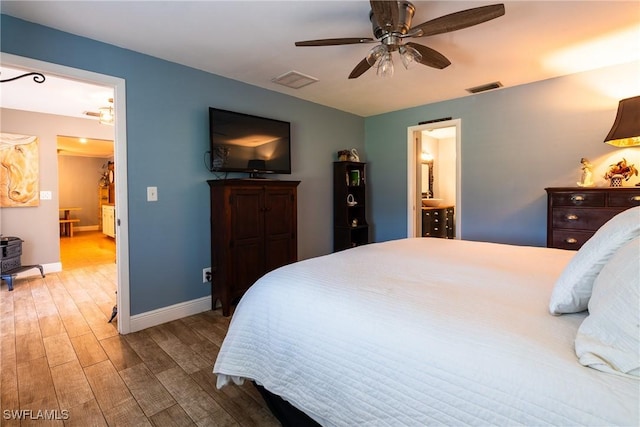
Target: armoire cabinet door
{"x": 280, "y": 227}
{"x": 247, "y": 238}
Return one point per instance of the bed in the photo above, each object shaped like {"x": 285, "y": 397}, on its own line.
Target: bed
{"x": 425, "y": 331}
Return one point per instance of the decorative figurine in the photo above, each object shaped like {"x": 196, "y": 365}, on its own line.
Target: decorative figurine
{"x": 586, "y": 179}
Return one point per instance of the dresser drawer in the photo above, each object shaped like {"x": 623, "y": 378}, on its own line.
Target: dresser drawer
{"x": 570, "y": 239}
{"x": 582, "y": 219}
{"x": 577, "y": 198}
{"x": 624, "y": 199}
{"x": 575, "y": 213}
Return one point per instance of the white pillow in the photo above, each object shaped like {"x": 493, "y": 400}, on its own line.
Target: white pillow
{"x": 609, "y": 338}
{"x": 572, "y": 290}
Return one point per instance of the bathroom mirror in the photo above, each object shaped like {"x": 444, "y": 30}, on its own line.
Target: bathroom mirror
{"x": 427, "y": 179}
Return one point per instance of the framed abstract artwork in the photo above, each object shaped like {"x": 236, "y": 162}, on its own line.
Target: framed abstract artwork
{"x": 19, "y": 174}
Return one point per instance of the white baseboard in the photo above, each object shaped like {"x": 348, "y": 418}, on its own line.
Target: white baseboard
{"x": 167, "y": 314}
{"x": 53, "y": 267}
{"x": 86, "y": 228}
{"x": 151, "y": 318}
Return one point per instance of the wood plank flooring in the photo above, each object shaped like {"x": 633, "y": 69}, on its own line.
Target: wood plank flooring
{"x": 63, "y": 364}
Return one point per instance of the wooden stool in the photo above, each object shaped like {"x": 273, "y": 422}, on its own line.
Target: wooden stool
{"x": 66, "y": 226}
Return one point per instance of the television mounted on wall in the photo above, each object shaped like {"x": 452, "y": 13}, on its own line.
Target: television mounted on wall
{"x": 245, "y": 143}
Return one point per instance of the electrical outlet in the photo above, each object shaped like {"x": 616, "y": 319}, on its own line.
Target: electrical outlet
{"x": 206, "y": 275}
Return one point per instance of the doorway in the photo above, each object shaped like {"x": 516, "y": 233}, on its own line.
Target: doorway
{"x": 87, "y": 240}
{"x": 433, "y": 148}
{"x": 120, "y": 154}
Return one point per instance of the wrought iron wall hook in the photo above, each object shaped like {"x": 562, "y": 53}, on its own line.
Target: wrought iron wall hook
{"x": 37, "y": 77}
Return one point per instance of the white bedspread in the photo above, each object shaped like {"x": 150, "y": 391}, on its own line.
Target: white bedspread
{"x": 422, "y": 332}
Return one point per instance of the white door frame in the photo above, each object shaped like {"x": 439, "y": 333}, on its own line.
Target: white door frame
{"x": 413, "y": 199}
{"x": 120, "y": 154}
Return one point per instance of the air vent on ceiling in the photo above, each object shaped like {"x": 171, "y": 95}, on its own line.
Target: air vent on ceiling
{"x": 294, "y": 80}
{"x": 484, "y": 88}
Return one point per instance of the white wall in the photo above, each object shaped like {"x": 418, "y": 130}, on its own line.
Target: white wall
{"x": 447, "y": 170}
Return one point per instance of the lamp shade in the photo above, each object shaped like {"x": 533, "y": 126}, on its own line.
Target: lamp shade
{"x": 626, "y": 128}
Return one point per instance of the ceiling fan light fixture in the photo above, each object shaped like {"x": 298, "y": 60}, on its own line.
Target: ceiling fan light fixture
{"x": 409, "y": 56}
{"x": 391, "y": 22}
{"x": 385, "y": 66}
{"x": 375, "y": 54}
{"x": 106, "y": 115}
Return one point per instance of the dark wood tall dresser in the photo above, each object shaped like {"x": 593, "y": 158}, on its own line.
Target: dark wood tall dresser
{"x": 574, "y": 214}
{"x": 253, "y": 231}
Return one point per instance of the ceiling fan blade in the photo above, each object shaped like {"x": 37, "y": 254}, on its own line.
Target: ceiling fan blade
{"x": 335, "y": 42}
{"x": 458, "y": 20}
{"x": 360, "y": 69}
{"x": 430, "y": 57}
{"x": 92, "y": 114}
{"x": 386, "y": 14}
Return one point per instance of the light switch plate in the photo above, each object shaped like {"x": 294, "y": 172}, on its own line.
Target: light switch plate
{"x": 46, "y": 195}
{"x": 152, "y": 194}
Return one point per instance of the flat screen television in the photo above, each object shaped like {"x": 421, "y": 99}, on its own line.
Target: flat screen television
{"x": 245, "y": 143}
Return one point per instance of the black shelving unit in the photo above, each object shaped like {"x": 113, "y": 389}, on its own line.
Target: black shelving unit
{"x": 350, "y": 227}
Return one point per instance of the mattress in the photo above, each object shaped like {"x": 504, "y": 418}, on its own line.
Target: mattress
{"x": 422, "y": 332}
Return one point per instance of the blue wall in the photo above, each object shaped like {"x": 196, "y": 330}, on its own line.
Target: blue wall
{"x": 167, "y": 135}
{"x": 515, "y": 142}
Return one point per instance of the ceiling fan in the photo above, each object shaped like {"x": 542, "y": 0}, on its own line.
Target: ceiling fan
{"x": 391, "y": 21}
{"x": 105, "y": 115}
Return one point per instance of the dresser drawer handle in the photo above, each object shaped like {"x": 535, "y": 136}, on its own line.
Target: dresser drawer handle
{"x": 577, "y": 198}
{"x": 635, "y": 199}
{"x": 572, "y": 217}
{"x": 571, "y": 240}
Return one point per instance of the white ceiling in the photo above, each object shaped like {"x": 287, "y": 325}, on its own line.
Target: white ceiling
{"x": 55, "y": 95}
{"x": 84, "y": 147}
{"x": 253, "y": 41}
{"x": 62, "y": 97}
